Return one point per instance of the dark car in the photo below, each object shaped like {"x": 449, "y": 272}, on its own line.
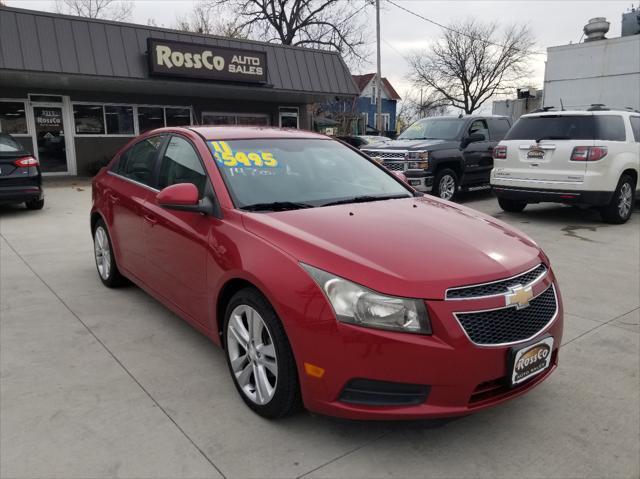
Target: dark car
{"x": 20, "y": 176}
{"x": 442, "y": 155}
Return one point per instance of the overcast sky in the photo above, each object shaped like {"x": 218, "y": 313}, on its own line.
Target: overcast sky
{"x": 553, "y": 22}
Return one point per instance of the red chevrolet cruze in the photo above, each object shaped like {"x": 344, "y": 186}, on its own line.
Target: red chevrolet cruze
{"x": 327, "y": 280}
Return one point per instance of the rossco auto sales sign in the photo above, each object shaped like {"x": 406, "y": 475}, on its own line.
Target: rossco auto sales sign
{"x": 206, "y": 62}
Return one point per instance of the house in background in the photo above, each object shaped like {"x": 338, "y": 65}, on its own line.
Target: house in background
{"x": 366, "y": 107}
{"x": 357, "y": 116}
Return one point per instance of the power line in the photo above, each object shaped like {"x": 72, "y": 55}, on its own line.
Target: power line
{"x": 445, "y": 27}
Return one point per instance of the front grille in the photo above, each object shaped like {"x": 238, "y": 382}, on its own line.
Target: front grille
{"x": 395, "y": 165}
{"x": 382, "y": 393}
{"x": 385, "y": 154}
{"x": 510, "y": 325}
{"x": 498, "y": 287}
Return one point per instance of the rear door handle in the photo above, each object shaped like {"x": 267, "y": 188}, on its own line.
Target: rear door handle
{"x": 150, "y": 219}
{"x": 113, "y": 197}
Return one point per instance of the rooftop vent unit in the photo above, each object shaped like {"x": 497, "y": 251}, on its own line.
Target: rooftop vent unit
{"x": 631, "y": 23}
{"x": 596, "y": 29}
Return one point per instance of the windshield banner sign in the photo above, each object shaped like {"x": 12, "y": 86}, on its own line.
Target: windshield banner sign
{"x": 206, "y": 62}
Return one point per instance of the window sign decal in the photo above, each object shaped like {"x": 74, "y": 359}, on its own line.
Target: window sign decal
{"x": 225, "y": 156}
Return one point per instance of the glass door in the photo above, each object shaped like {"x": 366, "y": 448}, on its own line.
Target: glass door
{"x": 288, "y": 117}
{"x": 50, "y": 137}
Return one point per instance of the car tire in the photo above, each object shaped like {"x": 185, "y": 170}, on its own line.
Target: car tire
{"x": 105, "y": 260}
{"x": 35, "y": 204}
{"x": 620, "y": 207}
{"x": 445, "y": 184}
{"x": 259, "y": 356}
{"x": 512, "y": 206}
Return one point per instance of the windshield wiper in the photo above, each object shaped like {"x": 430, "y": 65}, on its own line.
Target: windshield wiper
{"x": 364, "y": 199}
{"x": 552, "y": 137}
{"x": 276, "y": 206}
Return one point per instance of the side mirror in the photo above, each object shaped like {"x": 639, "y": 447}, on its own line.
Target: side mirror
{"x": 401, "y": 176}
{"x": 473, "y": 138}
{"x": 185, "y": 197}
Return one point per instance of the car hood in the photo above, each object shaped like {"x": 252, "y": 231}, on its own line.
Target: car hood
{"x": 414, "y": 247}
{"x": 411, "y": 145}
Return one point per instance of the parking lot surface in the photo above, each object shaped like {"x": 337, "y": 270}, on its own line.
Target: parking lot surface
{"x": 108, "y": 383}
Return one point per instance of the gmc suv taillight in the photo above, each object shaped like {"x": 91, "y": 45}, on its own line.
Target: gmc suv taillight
{"x": 26, "y": 162}
{"x": 500, "y": 152}
{"x": 588, "y": 153}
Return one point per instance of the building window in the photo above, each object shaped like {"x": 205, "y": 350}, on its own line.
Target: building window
{"x": 119, "y": 120}
{"x": 385, "y": 122}
{"x": 214, "y": 118}
{"x": 178, "y": 116}
{"x": 374, "y": 96}
{"x": 89, "y": 119}
{"x": 12, "y": 118}
{"x": 150, "y": 117}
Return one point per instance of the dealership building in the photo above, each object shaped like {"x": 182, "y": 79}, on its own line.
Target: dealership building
{"x": 74, "y": 90}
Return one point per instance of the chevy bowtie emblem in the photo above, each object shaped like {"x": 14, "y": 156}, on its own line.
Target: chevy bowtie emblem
{"x": 519, "y": 296}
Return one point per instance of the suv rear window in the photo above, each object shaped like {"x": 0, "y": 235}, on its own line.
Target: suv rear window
{"x": 569, "y": 127}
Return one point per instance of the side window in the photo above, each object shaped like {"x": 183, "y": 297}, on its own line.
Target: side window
{"x": 609, "y": 128}
{"x": 498, "y": 128}
{"x": 137, "y": 163}
{"x": 479, "y": 127}
{"x": 635, "y": 126}
{"x": 181, "y": 164}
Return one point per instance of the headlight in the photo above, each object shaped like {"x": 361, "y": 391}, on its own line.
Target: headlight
{"x": 416, "y": 155}
{"x": 356, "y": 304}
{"x": 418, "y": 165}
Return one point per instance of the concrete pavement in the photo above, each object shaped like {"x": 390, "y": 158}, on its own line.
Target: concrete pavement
{"x": 108, "y": 383}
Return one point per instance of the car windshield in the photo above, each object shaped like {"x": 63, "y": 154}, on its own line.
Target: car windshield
{"x": 277, "y": 174}
{"x": 8, "y": 145}
{"x": 432, "y": 128}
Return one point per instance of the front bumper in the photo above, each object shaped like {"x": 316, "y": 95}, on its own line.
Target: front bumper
{"x": 535, "y": 195}
{"x": 420, "y": 180}
{"x": 459, "y": 376}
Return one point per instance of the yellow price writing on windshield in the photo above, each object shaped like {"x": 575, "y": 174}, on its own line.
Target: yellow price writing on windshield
{"x": 224, "y": 155}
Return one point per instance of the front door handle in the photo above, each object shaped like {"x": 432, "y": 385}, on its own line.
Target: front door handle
{"x": 152, "y": 220}
{"x": 113, "y": 197}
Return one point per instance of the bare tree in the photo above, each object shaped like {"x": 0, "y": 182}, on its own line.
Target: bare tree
{"x": 118, "y": 10}
{"x": 204, "y": 18}
{"x": 324, "y": 24}
{"x": 419, "y": 104}
{"x": 473, "y": 62}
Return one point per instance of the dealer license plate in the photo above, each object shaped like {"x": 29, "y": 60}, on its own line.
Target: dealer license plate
{"x": 531, "y": 360}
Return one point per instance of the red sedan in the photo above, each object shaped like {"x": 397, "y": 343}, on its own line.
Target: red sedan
{"x": 327, "y": 280}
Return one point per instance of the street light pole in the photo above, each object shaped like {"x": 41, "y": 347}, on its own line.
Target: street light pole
{"x": 378, "y": 121}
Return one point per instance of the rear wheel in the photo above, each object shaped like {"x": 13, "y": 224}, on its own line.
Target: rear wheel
{"x": 620, "y": 207}
{"x": 259, "y": 356}
{"x": 35, "y": 204}
{"x": 445, "y": 184}
{"x": 512, "y": 206}
{"x": 105, "y": 261}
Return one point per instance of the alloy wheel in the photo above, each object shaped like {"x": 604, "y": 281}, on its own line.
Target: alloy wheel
{"x": 447, "y": 187}
{"x": 252, "y": 354}
{"x": 624, "y": 200}
{"x": 102, "y": 252}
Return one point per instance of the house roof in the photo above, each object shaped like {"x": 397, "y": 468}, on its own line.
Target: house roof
{"x": 362, "y": 81}
{"x": 48, "y": 43}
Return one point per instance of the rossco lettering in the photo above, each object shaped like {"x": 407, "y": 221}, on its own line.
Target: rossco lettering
{"x": 169, "y": 58}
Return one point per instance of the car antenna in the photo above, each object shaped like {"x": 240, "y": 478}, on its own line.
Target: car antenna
{"x": 561, "y": 105}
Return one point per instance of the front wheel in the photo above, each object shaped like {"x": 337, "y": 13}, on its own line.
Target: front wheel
{"x": 445, "y": 184}
{"x": 512, "y": 206}
{"x": 620, "y": 207}
{"x": 105, "y": 261}
{"x": 259, "y": 356}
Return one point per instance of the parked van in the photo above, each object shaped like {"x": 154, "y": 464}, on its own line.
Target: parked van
{"x": 587, "y": 157}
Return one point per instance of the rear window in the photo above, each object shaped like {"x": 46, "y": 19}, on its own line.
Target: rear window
{"x": 553, "y": 127}
{"x": 569, "y": 127}
{"x": 9, "y": 145}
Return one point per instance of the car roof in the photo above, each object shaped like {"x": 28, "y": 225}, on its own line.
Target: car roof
{"x": 580, "y": 113}
{"x": 252, "y": 132}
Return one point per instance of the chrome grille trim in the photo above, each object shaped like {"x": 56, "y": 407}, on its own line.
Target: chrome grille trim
{"x": 454, "y": 297}
{"x": 395, "y": 165}
{"x": 497, "y": 345}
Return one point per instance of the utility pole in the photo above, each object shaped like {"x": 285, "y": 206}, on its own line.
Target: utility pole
{"x": 378, "y": 121}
